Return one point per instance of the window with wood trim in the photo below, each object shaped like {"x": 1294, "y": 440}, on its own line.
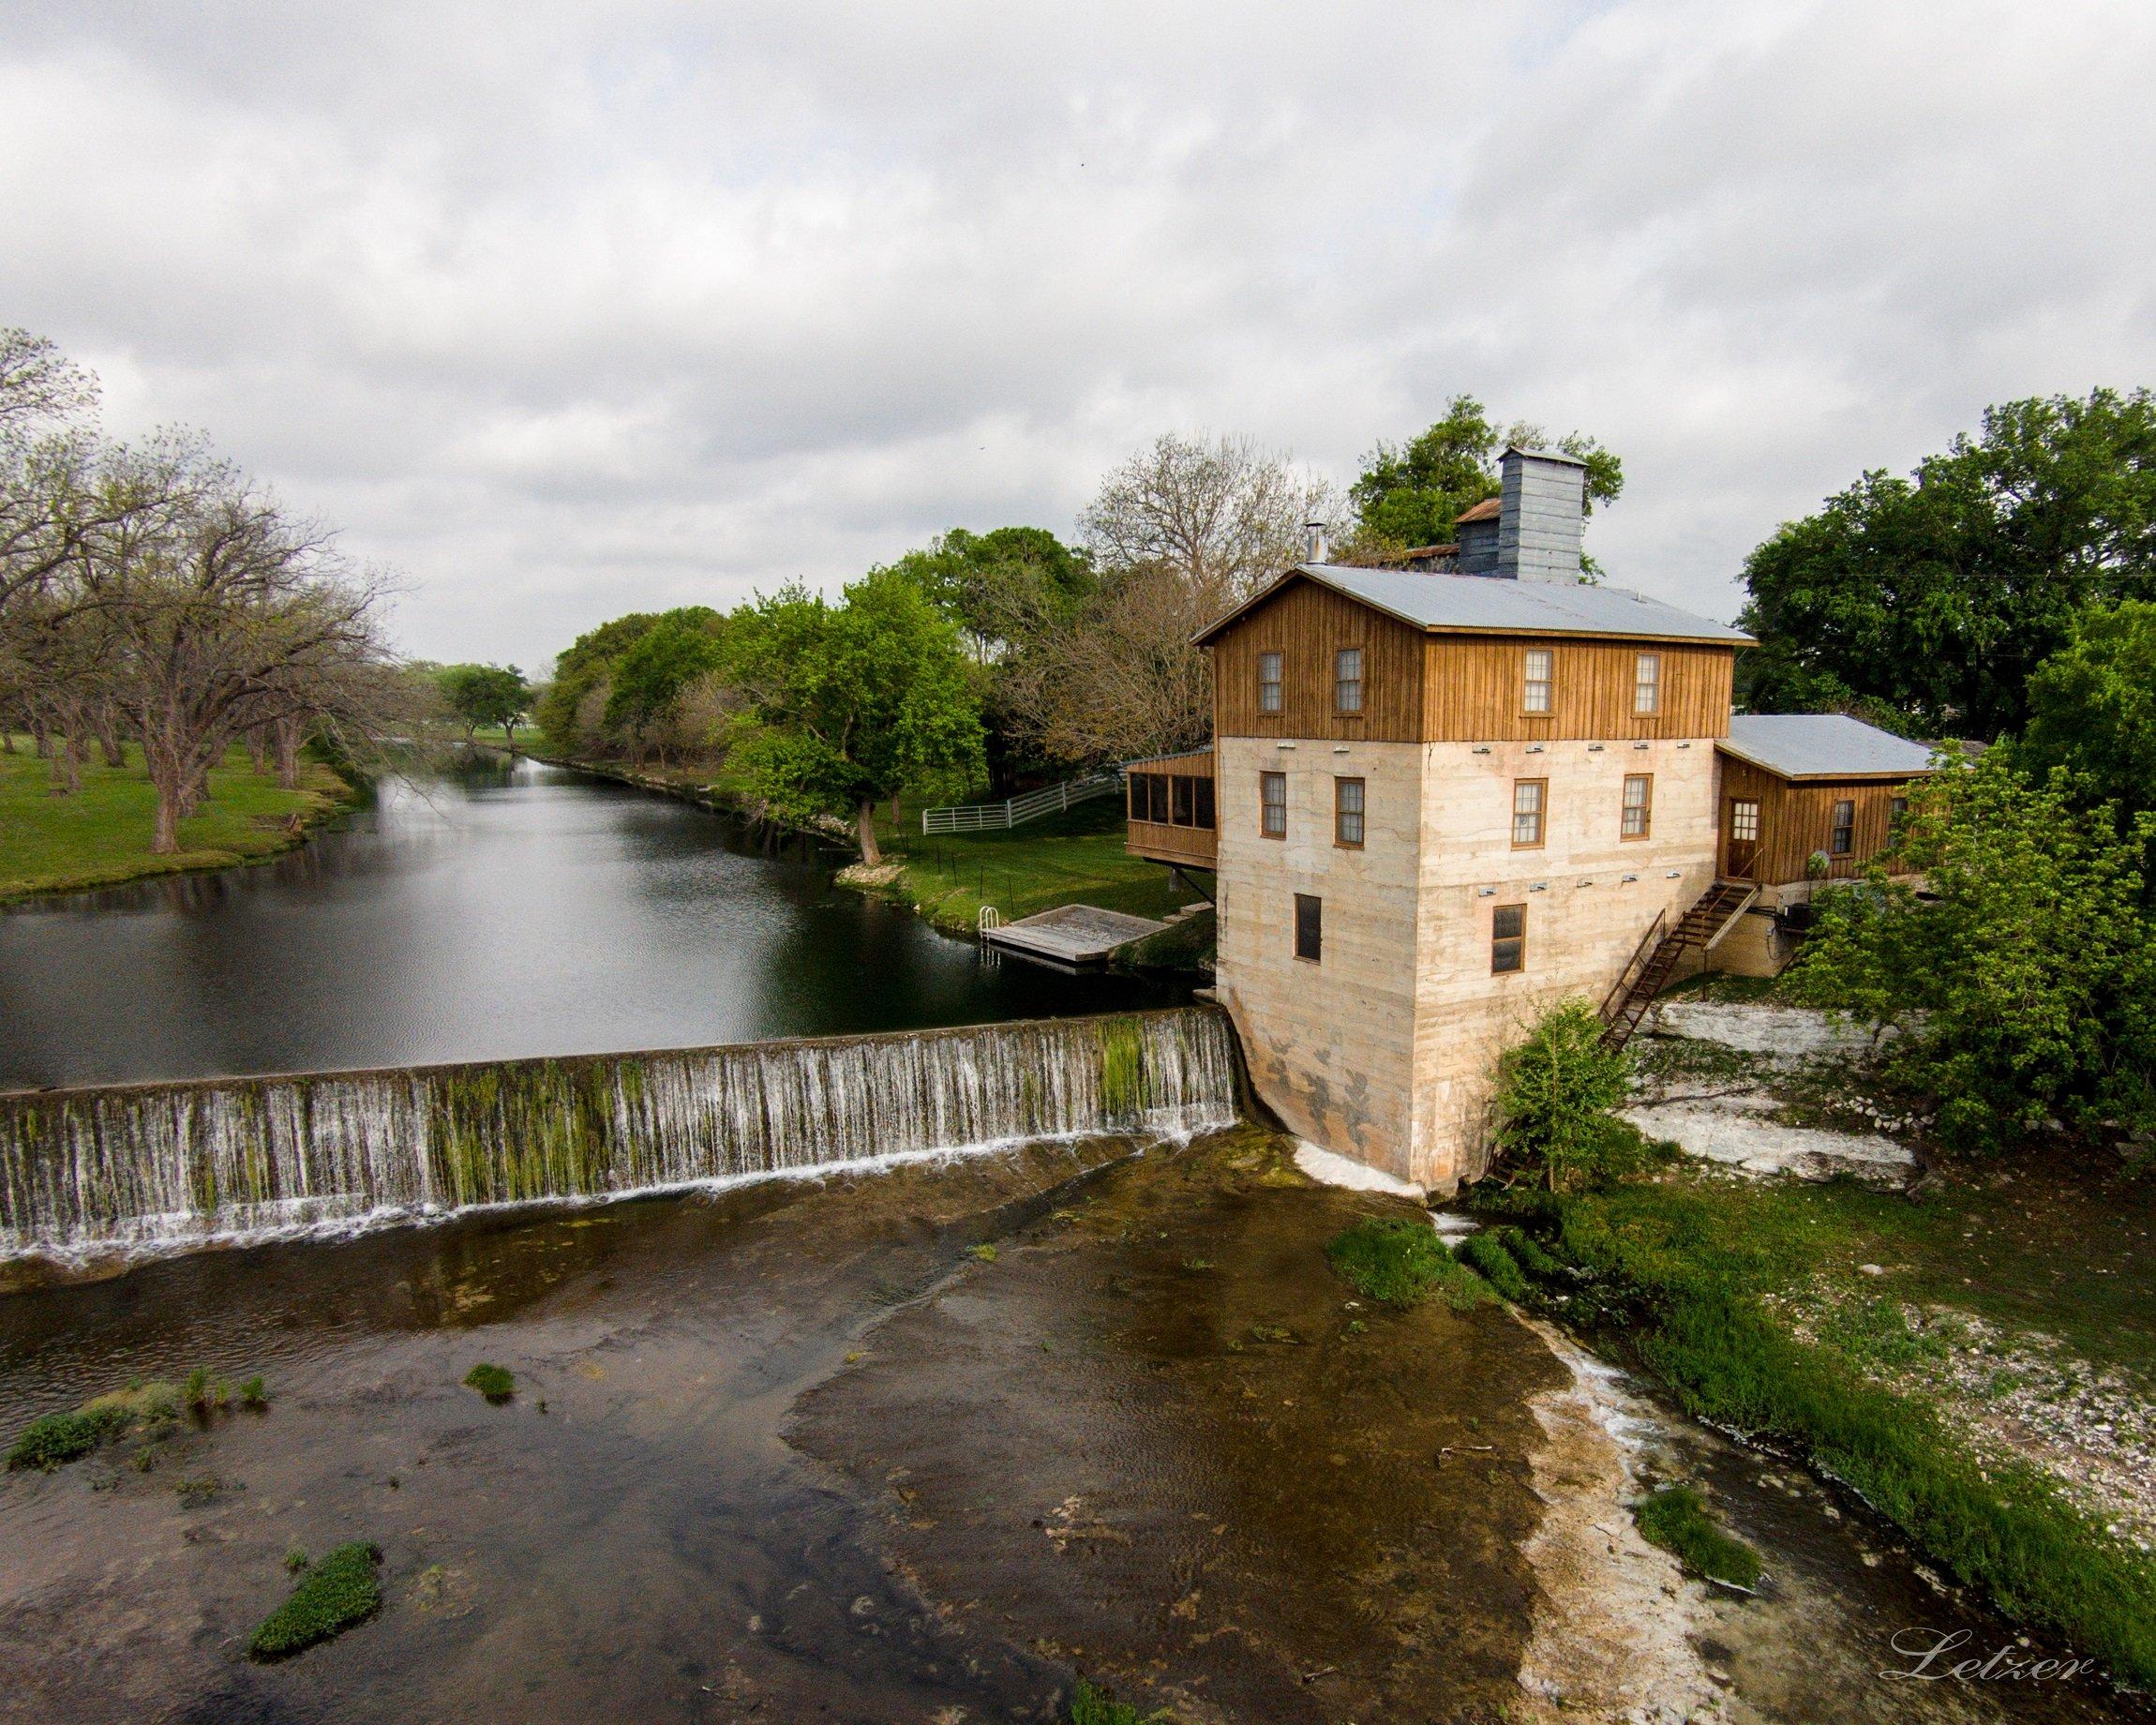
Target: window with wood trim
{"x": 1347, "y": 680}
{"x": 1744, "y": 821}
{"x": 1204, "y": 783}
{"x": 1273, "y": 804}
{"x": 1184, "y": 804}
{"x": 1507, "y": 939}
{"x": 1310, "y": 927}
{"x": 1647, "y": 682}
{"x": 1530, "y": 804}
{"x": 1347, "y": 813}
{"x": 1897, "y": 811}
{"x": 1268, "y": 682}
{"x": 1638, "y": 805}
{"x": 1537, "y": 680}
{"x": 1844, "y": 829}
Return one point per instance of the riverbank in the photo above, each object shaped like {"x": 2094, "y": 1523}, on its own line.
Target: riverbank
{"x": 100, "y": 836}
{"x": 1076, "y": 856}
{"x": 1976, "y": 1361}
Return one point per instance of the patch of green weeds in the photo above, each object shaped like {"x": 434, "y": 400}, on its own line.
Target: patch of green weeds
{"x": 496, "y": 1383}
{"x": 194, "y": 1494}
{"x": 331, "y": 1596}
{"x": 1272, "y": 1332}
{"x": 1486, "y": 1255}
{"x": 1878, "y": 1332}
{"x": 1400, "y": 1261}
{"x": 982, "y": 1253}
{"x": 295, "y": 1559}
{"x": 1677, "y": 1520}
{"x": 254, "y": 1393}
{"x": 1092, "y": 1706}
{"x": 52, "y": 1439}
{"x": 1197, "y": 1263}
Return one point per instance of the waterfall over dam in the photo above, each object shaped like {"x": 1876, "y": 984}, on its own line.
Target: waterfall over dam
{"x": 161, "y": 1164}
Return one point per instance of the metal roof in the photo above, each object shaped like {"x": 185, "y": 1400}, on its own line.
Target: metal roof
{"x": 1494, "y": 605}
{"x": 1823, "y": 745}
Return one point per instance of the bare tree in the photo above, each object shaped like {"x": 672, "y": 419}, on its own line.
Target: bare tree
{"x": 1224, "y": 514}
{"x": 229, "y": 617}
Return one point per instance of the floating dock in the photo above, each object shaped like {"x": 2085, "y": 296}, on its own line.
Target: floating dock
{"x": 1071, "y": 937}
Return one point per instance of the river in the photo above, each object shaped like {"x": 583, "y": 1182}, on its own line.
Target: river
{"x": 501, "y": 912}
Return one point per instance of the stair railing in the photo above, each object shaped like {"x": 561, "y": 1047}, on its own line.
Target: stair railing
{"x": 1635, "y": 966}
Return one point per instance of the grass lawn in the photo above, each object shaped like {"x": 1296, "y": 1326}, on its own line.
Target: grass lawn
{"x": 1073, "y": 857}
{"x": 102, "y": 835}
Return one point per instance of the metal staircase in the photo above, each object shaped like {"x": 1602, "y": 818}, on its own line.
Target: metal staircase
{"x": 1661, "y": 949}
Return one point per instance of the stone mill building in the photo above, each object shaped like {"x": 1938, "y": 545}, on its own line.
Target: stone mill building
{"x": 1443, "y": 796}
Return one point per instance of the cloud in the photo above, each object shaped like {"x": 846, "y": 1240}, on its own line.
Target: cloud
{"x": 565, "y": 310}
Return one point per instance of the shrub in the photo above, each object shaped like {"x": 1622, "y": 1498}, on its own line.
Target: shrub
{"x": 331, "y": 1596}
{"x": 254, "y": 1393}
{"x": 52, "y": 1439}
{"x": 1676, "y": 1519}
{"x": 496, "y": 1383}
{"x": 1555, "y": 1092}
{"x": 1091, "y": 1706}
{"x": 1400, "y": 1261}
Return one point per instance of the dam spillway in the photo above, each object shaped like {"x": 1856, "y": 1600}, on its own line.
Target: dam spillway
{"x": 167, "y": 1164}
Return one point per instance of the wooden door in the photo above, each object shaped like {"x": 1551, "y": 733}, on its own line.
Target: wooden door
{"x": 1739, "y": 838}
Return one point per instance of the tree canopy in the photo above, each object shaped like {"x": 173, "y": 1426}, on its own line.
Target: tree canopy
{"x": 2022, "y": 980}
{"x": 853, "y": 702}
{"x": 489, "y": 695}
{"x": 1413, "y": 493}
{"x": 1936, "y": 597}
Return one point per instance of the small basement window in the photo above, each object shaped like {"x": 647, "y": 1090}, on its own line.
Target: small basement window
{"x": 1273, "y": 804}
{"x": 1347, "y": 813}
{"x": 1639, "y": 805}
{"x": 1507, "y": 939}
{"x": 1845, "y": 834}
{"x": 1529, "y": 797}
{"x": 1310, "y": 926}
{"x": 1268, "y": 682}
{"x": 1647, "y": 683}
{"x": 1540, "y": 680}
{"x": 1347, "y": 680}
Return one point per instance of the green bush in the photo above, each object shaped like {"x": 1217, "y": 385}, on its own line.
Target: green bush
{"x": 1676, "y": 1519}
{"x": 1555, "y": 1093}
{"x": 1400, "y": 1261}
{"x": 496, "y": 1383}
{"x": 331, "y": 1596}
{"x": 52, "y": 1439}
{"x": 254, "y": 1393}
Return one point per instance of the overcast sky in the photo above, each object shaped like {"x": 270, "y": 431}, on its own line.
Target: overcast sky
{"x": 567, "y": 310}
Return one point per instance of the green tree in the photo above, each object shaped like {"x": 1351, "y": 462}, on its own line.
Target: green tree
{"x": 1413, "y": 493}
{"x": 587, "y": 663}
{"x": 1938, "y": 595}
{"x": 999, "y": 585}
{"x": 650, "y": 675}
{"x": 2092, "y": 713}
{"x": 2022, "y": 982}
{"x": 1556, "y": 1092}
{"x": 480, "y": 695}
{"x": 853, "y": 702}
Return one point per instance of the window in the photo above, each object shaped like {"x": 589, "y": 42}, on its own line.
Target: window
{"x": 1745, "y": 823}
{"x": 1273, "y": 804}
{"x": 1268, "y": 682}
{"x": 1310, "y": 926}
{"x": 1639, "y": 805}
{"x": 1528, "y": 798}
{"x": 1535, "y": 694}
{"x": 1347, "y": 813}
{"x": 1844, "y": 836}
{"x": 1185, "y": 804}
{"x": 1507, "y": 939}
{"x": 1647, "y": 683}
{"x": 1897, "y": 811}
{"x": 1149, "y": 797}
{"x": 1347, "y": 680}
{"x": 1204, "y": 786}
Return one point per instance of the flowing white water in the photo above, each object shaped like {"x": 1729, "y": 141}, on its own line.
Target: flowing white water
{"x": 165, "y": 1164}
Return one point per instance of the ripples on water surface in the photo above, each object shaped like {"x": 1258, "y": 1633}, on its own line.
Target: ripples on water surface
{"x": 504, "y": 912}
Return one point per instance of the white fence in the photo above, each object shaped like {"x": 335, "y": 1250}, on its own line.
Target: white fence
{"x": 992, "y": 817}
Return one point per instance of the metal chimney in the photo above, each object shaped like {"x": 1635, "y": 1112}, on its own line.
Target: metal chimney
{"x": 1541, "y": 514}
{"x": 1313, "y": 542}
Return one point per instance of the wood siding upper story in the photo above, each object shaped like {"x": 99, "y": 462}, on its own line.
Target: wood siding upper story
{"x": 1421, "y": 687}
{"x": 1163, "y": 842}
{"x": 1797, "y": 818}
